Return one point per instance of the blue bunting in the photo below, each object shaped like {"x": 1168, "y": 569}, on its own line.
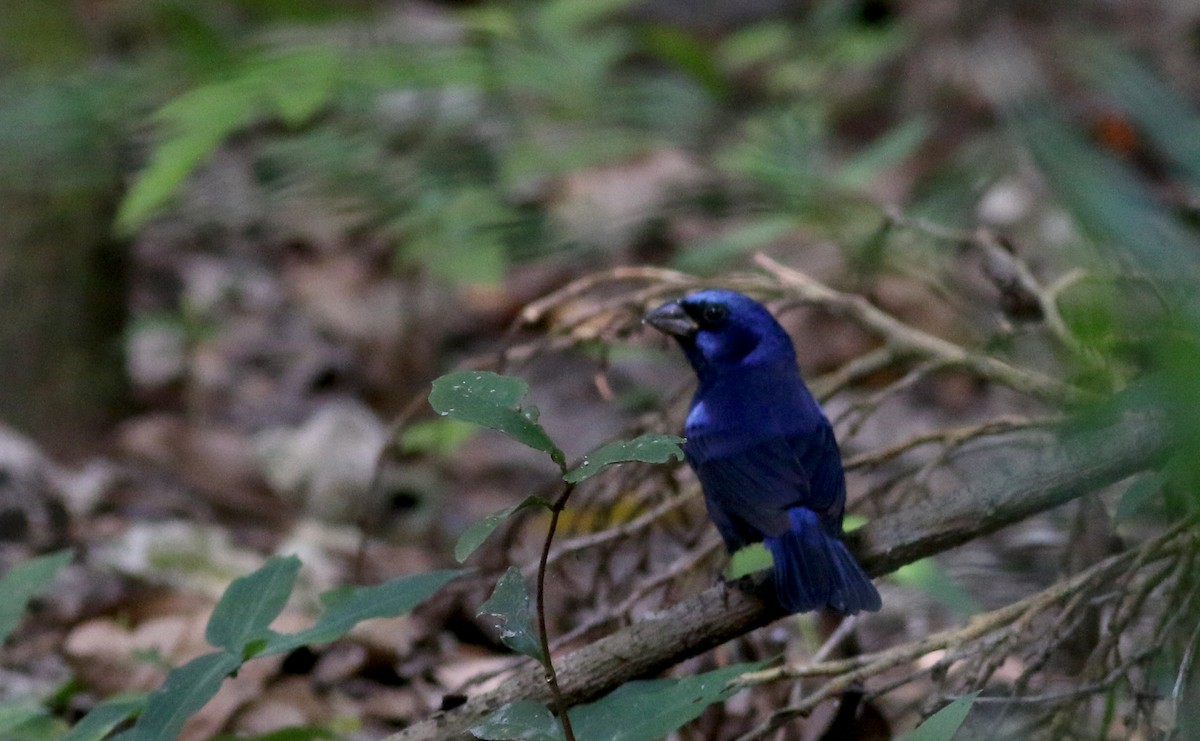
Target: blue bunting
{"x": 764, "y": 451}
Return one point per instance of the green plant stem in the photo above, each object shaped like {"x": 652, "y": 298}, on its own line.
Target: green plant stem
{"x": 560, "y": 705}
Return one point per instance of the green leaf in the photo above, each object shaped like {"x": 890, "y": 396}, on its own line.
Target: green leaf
{"x": 1171, "y": 122}
{"x": 853, "y": 522}
{"x": 170, "y": 164}
{"x": 1110, "y": 203}
{"x": 781, "y": 154}
{"x": 493, "y": 401}
{"x": 489, "y": 20}
{"x": 687, "y": 51}
{"x": 292, "y": 85}
{"x": 753, "y": 558}
{"x": 43, "y": 727}
{"x": 707, "y": 255}
{"x": 299, "y": 82}
{"x": 644, "y": 710}
{"x": 756, "y": 44}
{"x": 346, "y": 607}
{"x": 565, "y": 18}
{"x": 196, "y": 124}
{"x": 107, "y": 715}
{"x": 16, "y": 713}
{"x": 649, "y": 448}
{"x": 942, "y": 725}
{"x": 1139, "y": 494}
{"x": 459, "y": 234}
{"x": 437, "y": 437}
{"x": 25, "y": 581}
{"x": 186, "y": 689}
{"x": 36, "y": 35}
{"x": 648, "y": 710}
{"x": 510, "y": 605}
{"x": 524, "y": 720}
{"x": 250, "y": 603}
{"x": 926, "y": 575}
{"x": 885, "y": 152}
{"x": 478, "y": 532}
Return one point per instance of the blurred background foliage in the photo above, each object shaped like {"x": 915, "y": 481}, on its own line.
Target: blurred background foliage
{"x": 380, "y": 186}
{"x": 461, "y": 139}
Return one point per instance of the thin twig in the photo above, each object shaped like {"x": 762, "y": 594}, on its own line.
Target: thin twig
{"x": 847, "y": 672}
{"x": 860, "y": 367}
{"x": 911, "y": 341}
{"x": 1057, "y": 474}
{"x": 680, "y": 566}
{"x": 994, "y": 249}
{"x": 841, "y": 633}
{"x": 624, "y": 530}
{"x": 948, "y": 437}
{"x": 858, "y": 413}
{"x": 1075, "y": 693}
{"x": 1185, "y": 668}
{"x": 560, "y": 704}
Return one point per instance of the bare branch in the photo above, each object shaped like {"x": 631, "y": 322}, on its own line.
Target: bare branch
{"x": 908, "y": 340}
{"x": 948, "y": 438}
{"x": 1014, "y": 617}
{"x": 717, "y": 615}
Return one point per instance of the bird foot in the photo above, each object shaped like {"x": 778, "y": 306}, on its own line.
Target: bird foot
{"x": 757, "y": 584}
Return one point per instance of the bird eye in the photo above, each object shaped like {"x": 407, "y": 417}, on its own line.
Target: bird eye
{"x": 714, "y": 313}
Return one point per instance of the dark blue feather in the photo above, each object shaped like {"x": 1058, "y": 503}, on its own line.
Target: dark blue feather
{"x": 763, "y": 450}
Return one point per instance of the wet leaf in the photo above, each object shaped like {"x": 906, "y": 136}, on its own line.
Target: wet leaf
{"x": 493, "y": 401}
{"x": 648, "y": 448}
{"x": 524, "y": 720}
{"x": 477, "y": 533}
{"x": 511, "y": 606}
{"x": 650, "y": 709}
{"x": 645, "y": 710}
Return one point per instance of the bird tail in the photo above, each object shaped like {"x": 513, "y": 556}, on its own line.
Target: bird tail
{"x": 813, "y": 569}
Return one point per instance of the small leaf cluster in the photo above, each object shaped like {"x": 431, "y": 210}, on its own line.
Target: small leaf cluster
{"x": 239, "y": 629}
{"x": 494, "y": 401}
{"x": 637, "y": 711}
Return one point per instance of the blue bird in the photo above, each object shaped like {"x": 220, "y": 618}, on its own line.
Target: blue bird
{"x": 764, "y": 451}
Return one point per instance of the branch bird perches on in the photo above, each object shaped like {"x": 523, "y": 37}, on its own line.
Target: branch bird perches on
{"x": 1074, "y": 468}
{"x": 606, "y": 304}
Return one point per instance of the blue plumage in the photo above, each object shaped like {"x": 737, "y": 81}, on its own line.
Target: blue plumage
{"x": 763, "y": 450}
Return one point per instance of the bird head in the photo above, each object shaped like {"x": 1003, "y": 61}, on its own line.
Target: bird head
{"x": 720, "y": 330}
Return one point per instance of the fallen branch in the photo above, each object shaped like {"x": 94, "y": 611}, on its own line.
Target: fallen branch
{"x": 1059, "y": 474}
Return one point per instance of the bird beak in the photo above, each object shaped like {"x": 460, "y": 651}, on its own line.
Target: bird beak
{"x": 673, "y": 320}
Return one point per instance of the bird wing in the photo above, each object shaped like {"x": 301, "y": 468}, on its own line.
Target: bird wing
{"x": 752, "y": 489}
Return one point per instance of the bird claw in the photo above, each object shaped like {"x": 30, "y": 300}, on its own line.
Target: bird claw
{"x": 753, "y": 584}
